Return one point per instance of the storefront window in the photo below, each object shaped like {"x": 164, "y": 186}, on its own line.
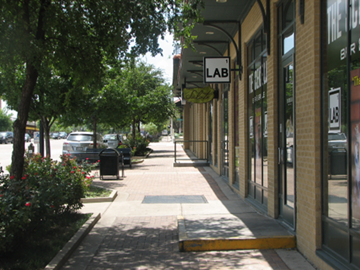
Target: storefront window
{"x": 341, "y": 131}
{"x": 211, "y": 117}
{"x": 257, "y": 106}
{"x": 236, "y": 127}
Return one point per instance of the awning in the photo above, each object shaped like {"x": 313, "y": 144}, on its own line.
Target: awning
{"x": 222, "y": 20}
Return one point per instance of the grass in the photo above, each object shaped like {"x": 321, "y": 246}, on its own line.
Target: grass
{"x": 97, "y": 192}
{"x": 38, "y": 249}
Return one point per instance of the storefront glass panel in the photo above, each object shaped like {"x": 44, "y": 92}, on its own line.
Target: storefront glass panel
{"x": 257, "y": 106}
{"x": 341, "y": 129}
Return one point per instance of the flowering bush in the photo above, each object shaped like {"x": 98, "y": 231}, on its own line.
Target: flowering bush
{"x": 47, "y": 188}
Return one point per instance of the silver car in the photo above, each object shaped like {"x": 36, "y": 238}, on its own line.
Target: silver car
{"x": 80, "y": 146}
{"x": 113, "y": 140}
{"x": 337, "y": 141}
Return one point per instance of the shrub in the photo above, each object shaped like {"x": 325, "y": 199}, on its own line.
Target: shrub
{"x": 138, "y": 145}
{"x": 47, "y": 188}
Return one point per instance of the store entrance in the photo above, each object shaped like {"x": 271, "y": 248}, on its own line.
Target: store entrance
{"x": 225, "y": 134}
{"x": 286, "y": 144}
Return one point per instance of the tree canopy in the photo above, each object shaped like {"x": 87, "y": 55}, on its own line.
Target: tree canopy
{"x": 5, "y": 121}
{"x": 148, "y": 97}
{"x": 74, "y": 37}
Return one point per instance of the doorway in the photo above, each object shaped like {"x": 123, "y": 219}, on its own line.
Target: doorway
{"x": 287, "y": 147}
{"x": 225, "y": 134}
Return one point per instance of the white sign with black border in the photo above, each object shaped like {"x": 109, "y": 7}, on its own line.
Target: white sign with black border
{"x": 217, "y": 70}
{"x": 335, "y": 110}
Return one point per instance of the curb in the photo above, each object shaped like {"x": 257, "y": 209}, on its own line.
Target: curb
{"x": 111, "y": 198}
{"x": 234, "y": 243}
{"x": 63, "y": 255}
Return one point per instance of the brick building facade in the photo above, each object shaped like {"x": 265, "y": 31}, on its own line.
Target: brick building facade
{"x": 284, "y": 133}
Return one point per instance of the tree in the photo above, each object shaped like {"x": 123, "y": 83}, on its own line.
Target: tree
{"x": 149, "y": 99}
{"x": 5, "y": 121}
{"x": 73, "y": 37}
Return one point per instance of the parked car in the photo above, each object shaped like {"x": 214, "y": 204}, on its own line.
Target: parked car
{"x": 62, "y": 135}
{"x": 55, "y": 135}
{"x": 80, "y": 145}
{"x": 113, "y": 140}
{"x": 164, "y": 132}
{"x": 27, "y": 138}
{"x": 6, "y": 137}
{"x": 337, "y": 141}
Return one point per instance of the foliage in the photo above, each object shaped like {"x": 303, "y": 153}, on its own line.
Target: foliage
{"x": 139, "y": 145}
{"x": 5, "y": 121}
{"x": 77, "y": 39}
{"x": 47, "y": 188}
{"x": 39, "y": 249}
{"x": 148, "y": 98}
{"x": 153, "y": 129}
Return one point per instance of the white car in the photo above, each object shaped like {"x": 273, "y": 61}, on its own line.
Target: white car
{"x": 80, "y": 145}
{"x": 164, "y": 132}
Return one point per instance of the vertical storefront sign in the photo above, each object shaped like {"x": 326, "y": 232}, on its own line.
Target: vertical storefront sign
{"x": 335, "y": 110}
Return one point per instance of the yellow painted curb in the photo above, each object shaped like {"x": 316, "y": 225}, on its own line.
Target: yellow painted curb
{"x": 274, "y": 242}
{"x": 217, "y": 244}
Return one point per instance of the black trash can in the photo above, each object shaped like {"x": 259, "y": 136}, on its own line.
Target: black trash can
{"x": 109, "y": 163}
{"x": 338, "y": 161}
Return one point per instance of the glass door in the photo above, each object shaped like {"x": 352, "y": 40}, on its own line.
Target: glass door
{"x": 286, "y": 142}
{"x": 225, "y": 134}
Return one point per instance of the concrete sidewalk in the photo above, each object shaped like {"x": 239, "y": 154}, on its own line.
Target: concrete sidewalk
{"x": 161, "y": 209}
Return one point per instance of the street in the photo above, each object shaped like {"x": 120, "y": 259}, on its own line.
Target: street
{"x": 6, "y": 151}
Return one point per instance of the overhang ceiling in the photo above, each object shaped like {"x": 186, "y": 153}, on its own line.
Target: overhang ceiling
{"x": 210, "y": 41}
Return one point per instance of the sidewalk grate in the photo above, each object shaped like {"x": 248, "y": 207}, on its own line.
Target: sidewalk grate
{"x": 175, "y": 199}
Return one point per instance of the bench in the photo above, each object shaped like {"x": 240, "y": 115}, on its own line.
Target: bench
{"x": 93, "y": 154}
{"x": 126, "y": 154}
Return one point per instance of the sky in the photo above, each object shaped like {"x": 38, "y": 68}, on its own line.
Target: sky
{"x": 165, "y": 62}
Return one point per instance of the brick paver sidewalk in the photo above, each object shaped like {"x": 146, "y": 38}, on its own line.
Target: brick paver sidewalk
{"x": 133, "y": 235}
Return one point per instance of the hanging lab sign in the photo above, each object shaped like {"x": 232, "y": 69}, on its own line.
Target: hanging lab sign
{"x": 199, "y": 95}
{"x": 217, "y": 70}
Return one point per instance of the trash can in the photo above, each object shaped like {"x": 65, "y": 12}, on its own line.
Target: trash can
{"x": 338, "y": 162}
{"x": 109, "y": 163}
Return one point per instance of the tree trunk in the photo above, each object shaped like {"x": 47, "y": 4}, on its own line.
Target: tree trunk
{"x": 47, "y": 136}
{"x": 17, "y": 160}
{"x": 95, "y": 127}
{"x": 133, "y": 129}
{"x": 138, "y": 126}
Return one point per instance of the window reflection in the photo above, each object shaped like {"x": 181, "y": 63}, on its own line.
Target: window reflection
{"x": 288, "y": 43}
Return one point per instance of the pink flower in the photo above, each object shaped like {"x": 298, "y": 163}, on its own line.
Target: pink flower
{"x": 72, "y": 171}
{"x": 27, "y": 204}
{"x": 99, "y": 160}
{"x": 11, "y": 177}
{"x": 1, "y": 195}
{"x": 23, "y": 178}
{"x": 83, "y": 172}
{"x": 87, "y": 177}
{"x": 87, "y": 158}
{"x": 36, "y": 173}
{"x": 74, "y": 167}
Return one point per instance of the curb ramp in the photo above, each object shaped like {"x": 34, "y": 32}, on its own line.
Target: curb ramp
{"x": 189, "y": 244}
